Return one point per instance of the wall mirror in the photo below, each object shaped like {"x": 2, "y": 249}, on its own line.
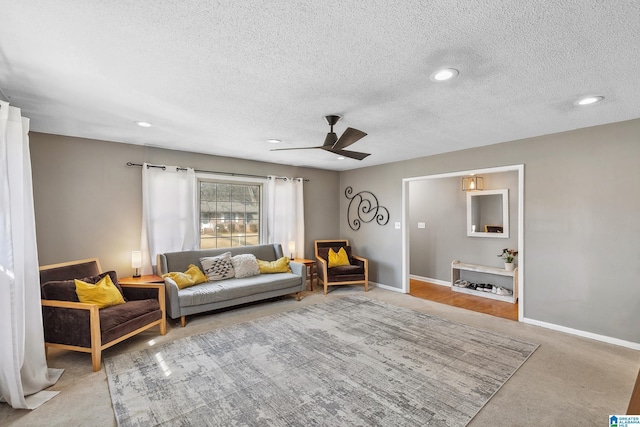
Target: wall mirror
{"x": 488, "y": 213}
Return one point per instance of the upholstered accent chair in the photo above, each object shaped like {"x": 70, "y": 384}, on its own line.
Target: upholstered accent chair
{"x": 357, "y": 273}
{"x": 72, "y": 325}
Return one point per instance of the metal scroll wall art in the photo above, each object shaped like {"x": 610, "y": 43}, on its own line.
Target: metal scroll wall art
{"x": 363, "y": 208}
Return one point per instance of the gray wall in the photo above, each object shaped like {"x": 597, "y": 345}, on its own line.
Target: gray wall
{"x": 442, "y": 205}
{"x": 581, "y": 238}
{"x": 581, "y": 226}
{"x": 88, "y": 202}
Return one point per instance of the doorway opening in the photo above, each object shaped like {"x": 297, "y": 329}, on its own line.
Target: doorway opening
{"x": 431, "y": 243}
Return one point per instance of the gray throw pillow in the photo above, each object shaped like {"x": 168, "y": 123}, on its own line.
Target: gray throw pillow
{"x": 245, "y": 265}
{"x": 218, "y": 267}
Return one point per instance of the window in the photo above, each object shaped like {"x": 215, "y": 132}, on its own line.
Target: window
{"x": 230, "y": 214}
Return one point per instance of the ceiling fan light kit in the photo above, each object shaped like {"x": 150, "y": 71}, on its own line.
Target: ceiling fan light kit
{"x": 336, "y": 145}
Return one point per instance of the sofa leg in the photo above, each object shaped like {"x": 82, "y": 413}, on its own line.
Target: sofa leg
{"x": 183, "y": 321}
{"x": 96, "y": 355}
{"x": 325, "y": 288}
{"x": 298, "y": 294}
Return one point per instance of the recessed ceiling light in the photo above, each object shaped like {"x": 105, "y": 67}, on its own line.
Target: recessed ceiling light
{"x": 340, "y": 158}
{"x": 443, "y": 74}
{"x": 588, "y": 100}
{"x": 144, "y": 124}
{"x": 274, "y": 141}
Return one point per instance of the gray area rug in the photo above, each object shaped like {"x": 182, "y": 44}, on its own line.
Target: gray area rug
{"x": 348, "y": 362}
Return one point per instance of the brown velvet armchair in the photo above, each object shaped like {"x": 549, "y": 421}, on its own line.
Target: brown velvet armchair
{"x": 355, "y": 274}
{"x": 72, "y": 325}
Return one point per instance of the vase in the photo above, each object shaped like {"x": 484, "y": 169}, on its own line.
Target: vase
{"x": 509, "y": 266}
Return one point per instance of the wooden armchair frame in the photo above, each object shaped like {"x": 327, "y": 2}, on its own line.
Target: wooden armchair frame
{"x": 323, "y": 265}
{"x": 94, "y": 316}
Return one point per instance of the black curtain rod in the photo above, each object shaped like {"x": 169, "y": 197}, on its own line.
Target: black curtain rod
{"x": 245, "y": 175}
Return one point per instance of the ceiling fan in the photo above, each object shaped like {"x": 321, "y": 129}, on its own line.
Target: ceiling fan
{"x": 336, "y": 145}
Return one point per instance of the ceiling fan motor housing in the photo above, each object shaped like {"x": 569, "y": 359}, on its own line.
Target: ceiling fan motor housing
{"x": 332, "y": 120}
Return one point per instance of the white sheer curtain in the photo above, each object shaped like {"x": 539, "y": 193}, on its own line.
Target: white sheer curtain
{"x": 169, "y": 222}
{"x": 23, "y": 366}
{"x": 285, "y": 213}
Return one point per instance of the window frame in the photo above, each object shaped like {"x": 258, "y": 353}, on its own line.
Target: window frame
{"x": 226, "y": 179}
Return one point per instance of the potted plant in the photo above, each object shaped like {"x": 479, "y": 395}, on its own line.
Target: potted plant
{"x": 508, "y": 255}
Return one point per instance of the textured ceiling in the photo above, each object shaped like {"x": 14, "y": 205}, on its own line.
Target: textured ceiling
{"x": 222, "y": 77}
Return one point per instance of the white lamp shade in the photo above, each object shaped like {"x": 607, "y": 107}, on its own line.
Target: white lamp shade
{"x": 136, "y": 259}
{"x": 292, "y": 246}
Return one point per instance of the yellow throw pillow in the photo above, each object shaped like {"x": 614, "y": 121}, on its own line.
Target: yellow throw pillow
{"x": 338, "y": 259}
{"x": 183, "y": 280}
{"x": 104, "y": 293}
{"x": 193, "y": 276}
{"x": 196, "y": 274}
{"x": 281, "y": 265}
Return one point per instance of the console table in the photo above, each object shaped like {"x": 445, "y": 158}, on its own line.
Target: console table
{"x": 457, "y": 266}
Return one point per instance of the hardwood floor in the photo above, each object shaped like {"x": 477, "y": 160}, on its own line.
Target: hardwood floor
{"x": 444, "y": 295}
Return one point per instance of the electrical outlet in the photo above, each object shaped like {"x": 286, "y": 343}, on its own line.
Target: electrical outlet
{"x": 397, "y": 225}
{"x": 422, "y": 225}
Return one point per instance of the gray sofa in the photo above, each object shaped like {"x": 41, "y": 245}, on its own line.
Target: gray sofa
{"x": 229, "y": 292}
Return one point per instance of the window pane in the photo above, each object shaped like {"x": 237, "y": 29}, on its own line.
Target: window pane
{"x": 229, "y": 215}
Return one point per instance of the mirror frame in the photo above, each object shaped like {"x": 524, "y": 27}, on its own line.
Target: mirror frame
{"x": 505, "y": 214}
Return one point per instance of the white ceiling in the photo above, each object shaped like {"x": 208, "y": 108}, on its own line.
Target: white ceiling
{"x": 222, "y": 77}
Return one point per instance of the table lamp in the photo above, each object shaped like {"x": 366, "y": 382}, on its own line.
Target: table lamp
{"x": 292, "y": 248}
{"x": 136, "y": 262}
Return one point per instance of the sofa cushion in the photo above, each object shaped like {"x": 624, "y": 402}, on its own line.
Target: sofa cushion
{"x": 345, "y": 270}
{"x": 235, "y": 288}
{"x": 115, "y": 321}
{"x": 245, "y": 265}
{"x": 218, "y": 267}
{"x": 125, "y": 318}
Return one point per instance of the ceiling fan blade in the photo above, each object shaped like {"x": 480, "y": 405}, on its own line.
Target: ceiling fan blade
{"x": 347, "y": 153}
{"x": 349, "y": 136}
{"x": 295, "y": 148}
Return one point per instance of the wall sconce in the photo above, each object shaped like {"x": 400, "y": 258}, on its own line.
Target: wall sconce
{"x": 292, "y": 248}
{"x": 136, "y": 262}
{"x": 472, "y": 183}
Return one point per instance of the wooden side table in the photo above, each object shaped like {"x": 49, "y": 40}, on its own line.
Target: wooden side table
{"x": 147, "y": 278}
{"x": 308, "y": 263}
{"x": 152, "y": 281}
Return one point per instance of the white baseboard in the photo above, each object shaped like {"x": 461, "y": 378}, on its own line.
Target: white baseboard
{"x": 603, "y": 338}
{"x": 584, "y": 334}
{"x": 430, "y": 280}
{"x": 386, "y": 287}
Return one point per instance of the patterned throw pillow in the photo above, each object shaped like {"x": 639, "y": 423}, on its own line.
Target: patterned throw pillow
{"x": 218, "y": 267}
{"x": 245, "y": 265}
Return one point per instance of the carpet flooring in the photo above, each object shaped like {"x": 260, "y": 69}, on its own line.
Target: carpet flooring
{"x": 351, "y": 361}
